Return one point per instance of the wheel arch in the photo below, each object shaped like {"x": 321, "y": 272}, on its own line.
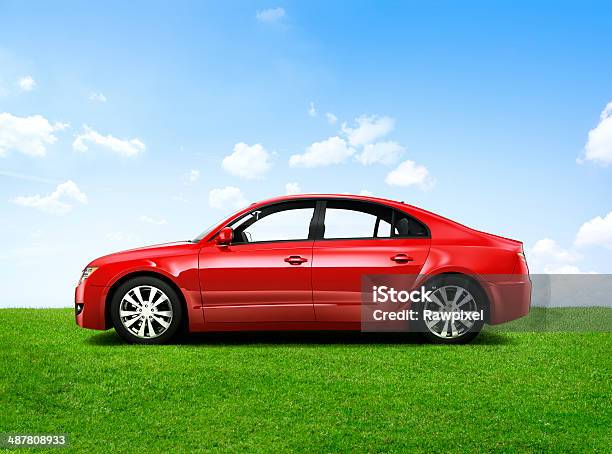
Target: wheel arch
{"x": 113, "y": 289}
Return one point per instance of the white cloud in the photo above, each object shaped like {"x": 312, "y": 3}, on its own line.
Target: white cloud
{"x": 549, "y": 252}
{"x": 150, "y": 220}
{"x": 270, "y": 15}
{"x": 383, "y": 152}
{"x": 335, "y": 150}
{"x": 565, "y": 269}
{"x": 192, "y": 176}
{"x": 366, "y": 193}
{"x": 123, "y": 147}
{"x": 408, "y": 173}
{"x": 331, "y": 118}
{"x": 27, "y": 83}
{"x": 596, "y": 232}
{"x": 368, "y": 129}
{"x": 330, "y": 151}
{"x": 312, "y": 111}
{"x": 98, "y": 97}
{"x": 27, "y": 135}
{"x": 546, "y": 256}
{"x": 250, "y": 162}
{"x": 292, "y": 188}
{"x": 599, "y": 145}
{"x": 58, "y": 202}
{"x": 227, "y": 198}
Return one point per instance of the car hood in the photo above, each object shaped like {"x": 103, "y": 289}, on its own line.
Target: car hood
{"x": 156, "y": 250}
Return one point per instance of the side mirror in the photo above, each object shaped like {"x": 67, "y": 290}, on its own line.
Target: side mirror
{"x": 225, "y": 236}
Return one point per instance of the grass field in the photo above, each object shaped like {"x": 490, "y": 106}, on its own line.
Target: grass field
{"x": 293, "y": 392}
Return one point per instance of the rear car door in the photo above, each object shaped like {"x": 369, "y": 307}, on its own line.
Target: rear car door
{"x": 265, "y": 274}
{"x": 361, "y": 238}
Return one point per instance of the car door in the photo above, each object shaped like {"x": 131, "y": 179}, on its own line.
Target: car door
{"x": 265, "y": 274}
{"x": 357, "y": 239}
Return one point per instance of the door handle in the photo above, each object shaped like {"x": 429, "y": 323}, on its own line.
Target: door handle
{"x": 295, "y": 260}
{"x": 401, "y": 258}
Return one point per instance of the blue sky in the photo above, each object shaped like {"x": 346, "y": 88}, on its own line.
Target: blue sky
{"x": 478, "y": 111}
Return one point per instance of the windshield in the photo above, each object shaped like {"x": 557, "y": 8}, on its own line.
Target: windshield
{"x": 205, "y": 232}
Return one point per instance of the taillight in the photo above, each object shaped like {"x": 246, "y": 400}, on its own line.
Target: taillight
{"x": 521, "y": 265}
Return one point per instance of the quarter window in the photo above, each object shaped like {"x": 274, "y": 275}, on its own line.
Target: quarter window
{"x": 406, "y": 226}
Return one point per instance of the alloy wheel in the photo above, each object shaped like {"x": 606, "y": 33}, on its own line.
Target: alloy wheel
{"x": 448, "y": 299}
{"x": 146, "y": 312}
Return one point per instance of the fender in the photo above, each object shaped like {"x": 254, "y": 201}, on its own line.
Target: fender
{"x": 183, "y": 280}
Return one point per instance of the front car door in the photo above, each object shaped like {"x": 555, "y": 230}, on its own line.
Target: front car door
{"x": 360, "y": 238}
{"x": 265, "y": 274}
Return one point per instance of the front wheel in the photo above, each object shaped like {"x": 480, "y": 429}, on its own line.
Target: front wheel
{"x": 146, "y": 310}
{"x": 451, "y": 295}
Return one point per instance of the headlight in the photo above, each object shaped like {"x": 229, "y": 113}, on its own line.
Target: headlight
{"x": 87, "y": 272}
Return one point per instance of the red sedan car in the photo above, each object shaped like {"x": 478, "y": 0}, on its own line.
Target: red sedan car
{"x": 299, "y": 263}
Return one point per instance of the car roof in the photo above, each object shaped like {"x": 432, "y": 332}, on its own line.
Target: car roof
{"x": 329, "y": 196}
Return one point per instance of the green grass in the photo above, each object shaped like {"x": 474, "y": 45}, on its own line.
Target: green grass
{"x": 291, "y": 392}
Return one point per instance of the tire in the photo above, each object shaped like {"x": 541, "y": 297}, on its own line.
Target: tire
{"x": 449, "y": 290}
{"x": 146, "y": 310}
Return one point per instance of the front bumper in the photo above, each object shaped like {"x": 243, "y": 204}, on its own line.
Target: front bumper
{"x": 89, "y": 306}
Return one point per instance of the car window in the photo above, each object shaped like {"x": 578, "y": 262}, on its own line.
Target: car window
{"x": 349, "y": 223}
{"x": 357, "y": 219}
{"x": 281, "y": 222}
{"x": 384, "y": 229}
{"x": 405, "y": 226}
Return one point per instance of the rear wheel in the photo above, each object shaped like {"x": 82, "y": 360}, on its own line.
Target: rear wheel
{"x": 452, "y": 294}
{"x": 146, "y": 310}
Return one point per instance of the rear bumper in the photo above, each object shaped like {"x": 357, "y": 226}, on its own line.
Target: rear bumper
{"x": 89, "y": 306}
{"x": 509, "y": 297}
